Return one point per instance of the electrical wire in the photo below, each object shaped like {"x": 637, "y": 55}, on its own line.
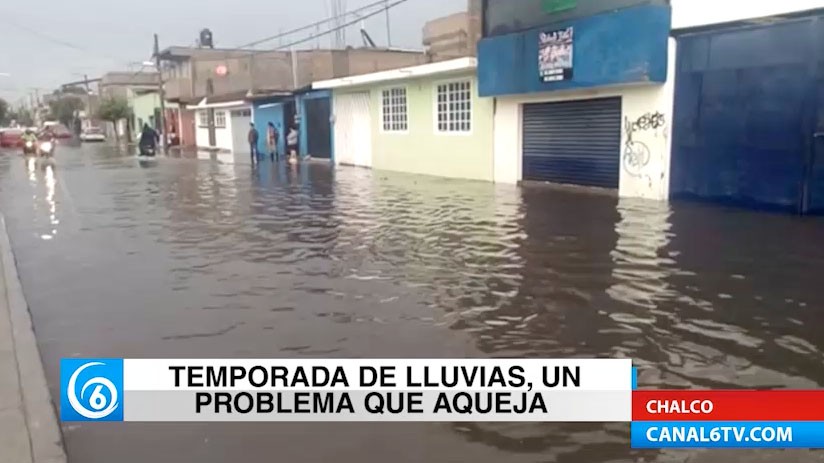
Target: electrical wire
{"x": 35, "y": 32}
{"x": 318, "y": 23}
{"x": 343, "y": 26}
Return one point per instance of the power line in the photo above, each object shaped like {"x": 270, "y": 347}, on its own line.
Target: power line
{"x": 345, "y": 25}
{"x": 49, "y": 38}
{"x": 319, "y": 23}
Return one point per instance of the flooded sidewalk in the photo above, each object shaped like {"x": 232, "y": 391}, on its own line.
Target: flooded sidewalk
{"x": 29, "y": 432}
{"x": 204, "y": 256}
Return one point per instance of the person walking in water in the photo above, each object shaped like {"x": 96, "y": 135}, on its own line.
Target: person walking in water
{"x": 253, "y": 142}
{"x": 292, "y": 141}
{"x": 272, "y": 142}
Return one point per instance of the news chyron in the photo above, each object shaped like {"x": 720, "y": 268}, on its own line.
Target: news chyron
{"x": 436, "y": 390}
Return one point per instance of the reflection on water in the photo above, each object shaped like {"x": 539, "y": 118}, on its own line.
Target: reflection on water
{"x": 42, "y": 179}
{"x": 207, "y": 257}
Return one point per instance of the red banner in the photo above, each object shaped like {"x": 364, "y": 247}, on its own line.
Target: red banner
{"x": 776, "y": 405}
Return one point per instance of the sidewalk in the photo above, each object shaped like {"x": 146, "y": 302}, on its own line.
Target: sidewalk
{"x": 29, "y": 432}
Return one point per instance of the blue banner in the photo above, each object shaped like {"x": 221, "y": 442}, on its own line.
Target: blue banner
{"x": 727, "y": 434}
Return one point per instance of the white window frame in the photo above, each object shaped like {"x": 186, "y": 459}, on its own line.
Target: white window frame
{"x": 203, "y": 118}
{"x": 450, "y": 116}
{"x": 392, "y": 130}
{"x": 218, "y": 116}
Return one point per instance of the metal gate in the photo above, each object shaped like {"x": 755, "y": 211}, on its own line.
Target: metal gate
{"x": 749, "y": 116}
{"x": 573, "y": 142}
{"x": 318, "y": 112}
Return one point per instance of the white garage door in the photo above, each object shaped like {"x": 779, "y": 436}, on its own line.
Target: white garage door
{"x": 353, "y": 129}
{"x": 241, "y": 118}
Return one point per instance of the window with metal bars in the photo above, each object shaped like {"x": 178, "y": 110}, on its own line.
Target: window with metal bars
{"x": 454, "y": 107}
{"x": 394, "y": 110}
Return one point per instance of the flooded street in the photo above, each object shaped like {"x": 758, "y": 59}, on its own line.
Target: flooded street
{"x": 202, "y": 256}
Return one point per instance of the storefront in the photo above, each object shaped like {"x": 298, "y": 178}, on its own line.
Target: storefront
{"x": 583, "y": 101}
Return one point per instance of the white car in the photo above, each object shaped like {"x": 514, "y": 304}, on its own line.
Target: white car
{"x": 92, "y": 134}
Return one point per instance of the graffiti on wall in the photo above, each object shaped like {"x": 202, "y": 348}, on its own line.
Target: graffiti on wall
{"x": 637, "y": 154}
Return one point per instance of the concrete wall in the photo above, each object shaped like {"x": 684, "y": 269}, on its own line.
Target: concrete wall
{"x": 272, "y": 70}
{"x": 646, "y": 179}
{"x": 421, "y": 149}
{"x": 449, "y": 37}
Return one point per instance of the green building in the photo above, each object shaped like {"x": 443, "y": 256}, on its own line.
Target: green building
{"x": 425, "y": 119}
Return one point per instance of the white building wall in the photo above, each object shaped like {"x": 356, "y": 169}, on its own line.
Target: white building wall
{"x": 507, "y": 159}
{"x": 691, "y": 13}
{"x": 223, "y": 136}
{"x": 642, "y": 175}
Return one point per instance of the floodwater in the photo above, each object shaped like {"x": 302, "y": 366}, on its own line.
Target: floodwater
{"x": 202, "y": 256}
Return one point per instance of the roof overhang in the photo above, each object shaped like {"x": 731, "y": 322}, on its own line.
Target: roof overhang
{"x": 204, "y": 104}
{"x": 423, "y": 70}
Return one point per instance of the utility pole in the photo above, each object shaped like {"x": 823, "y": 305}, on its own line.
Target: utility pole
{"x": 294, "y": 69}
{"x": 388, "y": 27}
{"x": 88, "y": 99}
{"x": 162, "y": 94}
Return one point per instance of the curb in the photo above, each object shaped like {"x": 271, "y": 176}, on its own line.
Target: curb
{"x": 44, "y": 431}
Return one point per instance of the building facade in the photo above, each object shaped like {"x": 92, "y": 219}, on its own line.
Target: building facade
{"x": 425, "y": 119}
{"x": 583, "y": 95}
{"x": 223, "y": 124}
{"x": 660, "y": 99}
{"x": 749, "y": 110}
{"x": 264, "y": 78}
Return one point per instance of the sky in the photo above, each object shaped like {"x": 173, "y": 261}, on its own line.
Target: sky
{"x": 76, "y": 37}
{"x": 92, "y": 37}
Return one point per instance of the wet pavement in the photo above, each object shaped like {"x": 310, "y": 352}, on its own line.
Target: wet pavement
{"x": 202, "y": 256}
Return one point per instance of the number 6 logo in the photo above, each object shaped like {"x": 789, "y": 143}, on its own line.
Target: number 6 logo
{"x": 101, "y": 407}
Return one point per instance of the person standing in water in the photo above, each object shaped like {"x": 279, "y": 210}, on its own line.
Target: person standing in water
{"x": 253, "y": 142}
{"x": 272, "y": 141}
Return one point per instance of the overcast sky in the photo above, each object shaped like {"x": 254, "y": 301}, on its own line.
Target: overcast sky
{"x": 106, "y": 35}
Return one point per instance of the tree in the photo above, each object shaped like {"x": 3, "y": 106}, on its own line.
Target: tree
{"x": 65, "y": 108}
{"x": 22, "y": 116}
{"x": 4, "y": 111}
{"x": 73, "y": 90}
{"x": 114, "y": 109}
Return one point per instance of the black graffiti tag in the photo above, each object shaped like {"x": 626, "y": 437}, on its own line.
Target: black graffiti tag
{"x": 637, "y": 154}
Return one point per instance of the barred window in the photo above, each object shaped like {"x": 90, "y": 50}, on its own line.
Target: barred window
{"x": 454, "y": 110}
{"x": 203, "y": 118}
{"x": 220, "y": 119}
{"x": 394, "y": 110}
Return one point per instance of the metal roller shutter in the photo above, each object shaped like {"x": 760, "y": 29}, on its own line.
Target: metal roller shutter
{"x": 573, "y": 142}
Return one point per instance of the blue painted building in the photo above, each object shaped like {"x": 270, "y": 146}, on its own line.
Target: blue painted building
{"x": 279, "y": 110}
{"x": 749, "y": 114}
{"x": 314, "y": 109}
{"x": 308, "y": 111}
{"x": 583, "y": 92}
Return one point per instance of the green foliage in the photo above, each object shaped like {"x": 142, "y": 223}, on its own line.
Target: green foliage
{"x": 22, "y": 116}
{"x": 4, "y": 111}
{"x": 114, "y": 109}
{"x": 65, "y": 108}
{"x": 73, "y": 91}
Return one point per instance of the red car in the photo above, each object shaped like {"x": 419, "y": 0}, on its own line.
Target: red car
{"x": 11, "y": 138}
{"x": 60, "y": 131}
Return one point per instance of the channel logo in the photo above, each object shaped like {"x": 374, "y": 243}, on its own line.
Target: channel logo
{"x": 91, "y": 389}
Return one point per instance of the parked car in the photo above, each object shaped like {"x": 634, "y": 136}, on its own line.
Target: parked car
{"x": 11, "y": 138}
{"x": 62, "y": 132}
{"x": 92, "y": 134}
